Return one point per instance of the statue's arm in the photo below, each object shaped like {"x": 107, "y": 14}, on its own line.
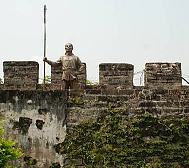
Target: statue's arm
{"x": 52, "y": 63}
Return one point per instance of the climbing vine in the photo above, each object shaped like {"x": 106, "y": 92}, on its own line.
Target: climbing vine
{"x": 141, "y": 142}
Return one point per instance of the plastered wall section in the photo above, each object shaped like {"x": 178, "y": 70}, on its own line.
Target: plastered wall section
{"x": 37, "y": 121}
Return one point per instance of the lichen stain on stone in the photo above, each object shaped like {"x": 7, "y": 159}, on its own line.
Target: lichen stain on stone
{"x": 47, "y": 145}
{"x": 39, "y": 124}
{"x": 43, "y": 111}
{"x": 30, "y": 141}
{"x": 23, "y": 124}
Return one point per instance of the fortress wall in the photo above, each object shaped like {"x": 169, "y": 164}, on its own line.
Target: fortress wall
{"x": 36, "y": 120}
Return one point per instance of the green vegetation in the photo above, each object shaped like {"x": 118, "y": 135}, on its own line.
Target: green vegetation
{"x": 29, "y": 160}
{"x": 47, "y": 79}
{"x": 8, "y": 151}
{"x": 76, "y": 100}
{"x": 88, "y": 82}
{"x": 142, "y": 142}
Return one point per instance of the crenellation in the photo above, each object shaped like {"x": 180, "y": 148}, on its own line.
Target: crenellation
{"x": 24, "y": 75}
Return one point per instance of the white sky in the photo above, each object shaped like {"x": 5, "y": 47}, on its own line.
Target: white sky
{"x": 102, "y": 31}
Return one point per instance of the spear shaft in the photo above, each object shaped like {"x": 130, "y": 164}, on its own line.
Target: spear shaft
{"x": 44, "y": 39}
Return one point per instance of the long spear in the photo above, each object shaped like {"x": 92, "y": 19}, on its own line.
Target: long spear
{"x": 44, "y": 40}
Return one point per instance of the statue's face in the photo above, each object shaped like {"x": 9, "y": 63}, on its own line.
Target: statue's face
{"x": 68, "y": 47}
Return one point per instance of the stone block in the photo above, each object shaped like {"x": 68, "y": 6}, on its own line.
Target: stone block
{"x": 21, "y": 75}
{"x": 116, "y": 75}
{"x": 163, "y": 75}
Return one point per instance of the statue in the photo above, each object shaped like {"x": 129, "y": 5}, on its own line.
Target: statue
{"x": 71, "y": 67}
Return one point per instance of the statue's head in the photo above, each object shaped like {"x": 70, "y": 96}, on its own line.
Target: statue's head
{"x": 68, "y": 47}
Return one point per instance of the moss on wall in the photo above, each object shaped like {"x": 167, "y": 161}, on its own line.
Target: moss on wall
{"x": 140, "y": 142}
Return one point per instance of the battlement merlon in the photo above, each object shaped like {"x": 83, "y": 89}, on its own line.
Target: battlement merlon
{"x": 21, "y": 75}
{"x": 116, "y": 75}
{"x": 163, "y": 75}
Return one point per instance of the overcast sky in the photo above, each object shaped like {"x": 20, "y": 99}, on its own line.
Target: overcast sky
{"x": 102, "y": 31}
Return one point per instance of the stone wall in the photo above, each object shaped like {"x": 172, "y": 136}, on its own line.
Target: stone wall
{"x": 89, "y": 104}
{"x": 21, "y": 75}
{"x": 116, "y": 75}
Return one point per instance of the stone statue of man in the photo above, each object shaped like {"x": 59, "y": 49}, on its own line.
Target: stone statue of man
{"x": 71, "y": 67}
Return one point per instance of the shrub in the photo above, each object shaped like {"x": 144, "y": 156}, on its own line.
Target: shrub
{"x": 8, "y": 151}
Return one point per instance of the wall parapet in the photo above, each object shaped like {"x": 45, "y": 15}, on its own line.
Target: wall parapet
{"x": 24, "y": 75}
